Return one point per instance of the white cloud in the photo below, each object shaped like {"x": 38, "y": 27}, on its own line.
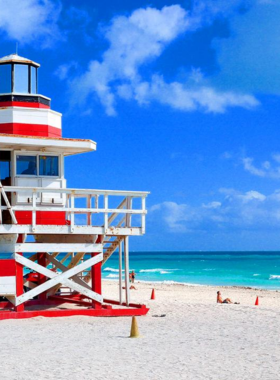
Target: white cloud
{"x": 185, "y": 98}
{"x": 63, "y": 70}
{"x": 267, "y": 169}
{"x": 252, "y": 195}
{"x": 236, "y": 210}
{"x": 30, "y": 20}
{"x": 174, "y": 215}
{"x": 138, "y": 39}
{"x": 212, "y": 205}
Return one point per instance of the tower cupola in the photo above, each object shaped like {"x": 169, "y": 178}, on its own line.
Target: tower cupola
{"x": 23, "y": 110}
{"x": 18, "y": 75}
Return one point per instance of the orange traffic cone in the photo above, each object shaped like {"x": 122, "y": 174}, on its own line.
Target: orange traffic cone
{"x": 153, "y": 297}
{"x": 257, "y": 301}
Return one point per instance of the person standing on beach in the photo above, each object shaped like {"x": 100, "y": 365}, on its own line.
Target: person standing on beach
{"x": 132, "y": 276}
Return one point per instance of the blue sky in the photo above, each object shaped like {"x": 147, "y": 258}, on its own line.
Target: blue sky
{"x": 182, "y": 99}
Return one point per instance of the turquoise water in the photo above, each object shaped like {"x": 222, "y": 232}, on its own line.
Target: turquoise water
{"x": 253, "y": 269}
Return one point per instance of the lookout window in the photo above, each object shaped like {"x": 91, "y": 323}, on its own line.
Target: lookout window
{"x": 48, "y": 166}
{"x": 18, "y": 78}
{"x": 27, "y": 165}
{"x": 5, "y": 79}
{"x": 37, "y": 165}
{"x": 21, "y": 78}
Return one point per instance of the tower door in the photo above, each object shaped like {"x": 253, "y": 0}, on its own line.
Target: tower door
{"x": 5, "y": 178}
{"x": 5, "y": 167}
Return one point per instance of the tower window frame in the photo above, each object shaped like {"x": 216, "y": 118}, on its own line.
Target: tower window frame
{"x": 31, "y": 76}
{"x": 38, "y": 155}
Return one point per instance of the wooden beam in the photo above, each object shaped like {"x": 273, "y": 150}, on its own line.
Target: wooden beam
{"x": 58, "y": 279}
{"x": 120, "y": 272}
{"x": 63, "y": 268}
{"x": 74, "y": 261}
{"x": 126, "y": 268}
{"x": 49, "y": 247}
{"x": 79, "y": 230}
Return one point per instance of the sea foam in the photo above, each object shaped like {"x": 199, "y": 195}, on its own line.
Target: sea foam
{"x": 108, "y": 269}
{"x": 274, "y": 277}
{"x": 111, "y": 275}
{"x": 157, "y": 270}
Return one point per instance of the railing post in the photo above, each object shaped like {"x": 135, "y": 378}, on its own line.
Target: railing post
{"x": 72, "y": 214}
{"x": 105, "y": 213}
{"x": 34, "y": 211}
{"x": 128, "y": 215}
{"x": 143, "y": 216}
{"x": 67, "y": 206}
{"x": 89, "y": 214}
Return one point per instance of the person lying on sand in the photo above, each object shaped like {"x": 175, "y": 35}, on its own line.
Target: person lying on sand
{"x": 131, "y": 287}
{"x": 227, "y": 300}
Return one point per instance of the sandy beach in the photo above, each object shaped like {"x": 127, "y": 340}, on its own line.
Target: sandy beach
{"x": 185, "y": 335}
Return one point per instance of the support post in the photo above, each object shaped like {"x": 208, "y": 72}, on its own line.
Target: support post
{"x": 126, "y": 268}
{"x": 89, "y": 197}
{"x": 19, "y": 278}
{"x": 96, "y": 277}
{"x": 41, "y": 258}
{"x": 120, "y": 272}
{"x": 106, "y": 205}
{"x": 143, "y": 217}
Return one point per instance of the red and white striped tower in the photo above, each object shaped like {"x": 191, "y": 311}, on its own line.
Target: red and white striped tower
{"x": 22, "y": 110}
{"x": 43, "y": 222}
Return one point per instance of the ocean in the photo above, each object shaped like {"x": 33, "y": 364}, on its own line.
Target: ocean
{"x": 250, "y": 269}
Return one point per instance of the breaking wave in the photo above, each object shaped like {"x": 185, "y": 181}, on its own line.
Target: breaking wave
{"x": 108, "y": 269}
{"x": 274, "y": 277}
{"x": 158, "y": 270}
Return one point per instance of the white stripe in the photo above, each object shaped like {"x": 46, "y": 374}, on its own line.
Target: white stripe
{"x": 23, "y": 115}
{"x": 7, "y": 285}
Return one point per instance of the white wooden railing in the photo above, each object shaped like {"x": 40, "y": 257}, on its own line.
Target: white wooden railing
{"x": 96, "y": 202}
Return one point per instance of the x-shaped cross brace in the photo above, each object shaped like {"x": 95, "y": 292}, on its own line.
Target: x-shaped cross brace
{"x": 55, "y": 279}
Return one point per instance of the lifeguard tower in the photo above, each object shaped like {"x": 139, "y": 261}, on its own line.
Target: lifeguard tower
{"x": 54, "y": 240}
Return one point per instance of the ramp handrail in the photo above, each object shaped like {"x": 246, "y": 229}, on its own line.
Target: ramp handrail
{"x": 8, "y": 205}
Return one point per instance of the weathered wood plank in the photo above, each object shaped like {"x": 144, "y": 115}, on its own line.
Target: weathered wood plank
{"x": 55, "y": 279}
{"x": 50, "y": 247}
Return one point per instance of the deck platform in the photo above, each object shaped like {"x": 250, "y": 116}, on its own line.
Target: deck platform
{"x": 58, "y": 306}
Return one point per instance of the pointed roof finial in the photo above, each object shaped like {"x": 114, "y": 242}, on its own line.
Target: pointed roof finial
{"x": 16, "y": 48}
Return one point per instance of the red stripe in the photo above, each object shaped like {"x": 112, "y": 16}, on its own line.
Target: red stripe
{"x": 57, "y": 218}
{"x": 23, "y": 104}
{"x": 7, "y": 314}
{"x": 30, "y": 129}
{"x": 7, "y": 268}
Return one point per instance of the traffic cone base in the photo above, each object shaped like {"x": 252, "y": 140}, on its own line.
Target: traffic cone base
{"x": 134, "y": 332}
{"x": 153, "y": 297}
